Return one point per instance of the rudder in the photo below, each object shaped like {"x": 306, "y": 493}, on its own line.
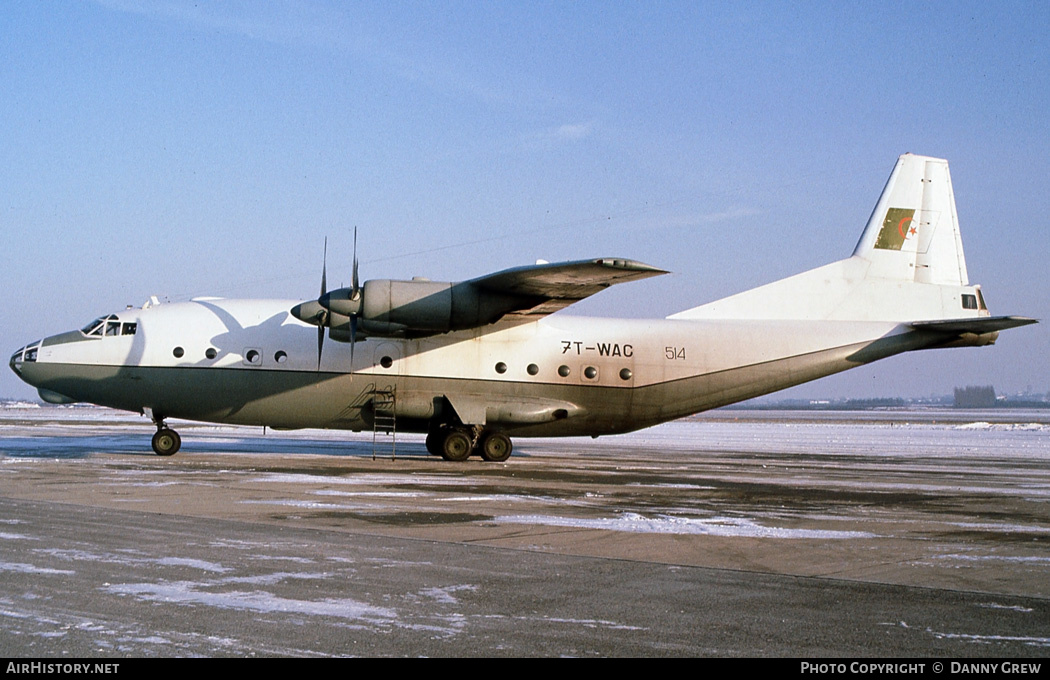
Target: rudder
{"x": 913, "y": 232}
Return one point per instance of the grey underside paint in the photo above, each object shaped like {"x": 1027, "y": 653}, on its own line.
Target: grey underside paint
{"x": 298, "y": 399}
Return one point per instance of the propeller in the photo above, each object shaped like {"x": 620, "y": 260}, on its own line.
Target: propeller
{"x": 346, "y": 303}
{"x": 314, "y": 312}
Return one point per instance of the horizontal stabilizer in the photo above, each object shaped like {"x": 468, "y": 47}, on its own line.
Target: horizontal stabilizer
{"x": 978, "y": 326}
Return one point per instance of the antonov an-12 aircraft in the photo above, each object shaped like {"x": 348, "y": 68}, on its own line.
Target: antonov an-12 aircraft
{"x": 473, "y": 363}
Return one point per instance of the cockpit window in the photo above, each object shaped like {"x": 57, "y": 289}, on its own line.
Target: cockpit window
{"x": 109, "y": 326}
{"x": 95, "y": 327}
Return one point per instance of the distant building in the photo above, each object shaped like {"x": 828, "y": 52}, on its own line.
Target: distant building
{"x": 975, "y": 397}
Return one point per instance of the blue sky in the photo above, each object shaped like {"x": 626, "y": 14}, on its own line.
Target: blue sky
{"x": 197, "y": 148}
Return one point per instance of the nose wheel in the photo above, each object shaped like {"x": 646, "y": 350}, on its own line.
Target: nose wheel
{"x": 167, "y": 441}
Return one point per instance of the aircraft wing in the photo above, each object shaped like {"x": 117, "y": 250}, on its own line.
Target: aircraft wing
{"x": 558, "y": 285}
{"x": 978, "y": 325}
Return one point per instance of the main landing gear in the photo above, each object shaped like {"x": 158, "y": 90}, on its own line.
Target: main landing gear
{"x": 458, "y": 443}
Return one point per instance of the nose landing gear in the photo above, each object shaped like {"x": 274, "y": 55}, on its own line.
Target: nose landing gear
{"x": 166, "y": 442}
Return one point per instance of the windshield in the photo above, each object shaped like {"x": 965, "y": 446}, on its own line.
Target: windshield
{"x": 95, "y": 327}
{"x": 109, "y": 326}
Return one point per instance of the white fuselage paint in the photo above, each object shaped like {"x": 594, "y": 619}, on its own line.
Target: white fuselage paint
{"x": 619, "y": 374}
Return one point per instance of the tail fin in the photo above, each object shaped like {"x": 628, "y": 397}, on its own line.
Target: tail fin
{"x": 908, "y": 265}
{"x": 913, "y": 233}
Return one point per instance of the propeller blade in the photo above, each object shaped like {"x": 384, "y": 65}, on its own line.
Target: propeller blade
{"x": 320, "y": 345}
{"x": 353, "y": 339}
{"x": 322, "y": 316}
{"x": 355, "y": 284}
{"x": 324, "y": 270}
{"x": 355, "y": 294}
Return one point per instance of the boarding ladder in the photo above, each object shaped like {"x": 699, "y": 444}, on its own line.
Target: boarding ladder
{"x": 383, "y": 418}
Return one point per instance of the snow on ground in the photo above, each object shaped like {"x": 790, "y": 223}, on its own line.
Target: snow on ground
{"x": 869, "y": 452}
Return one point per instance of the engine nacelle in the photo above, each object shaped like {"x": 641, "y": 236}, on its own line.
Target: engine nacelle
{"x": 390, "y": 307}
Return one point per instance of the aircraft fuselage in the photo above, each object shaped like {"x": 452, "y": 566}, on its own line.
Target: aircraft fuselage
{"x": 250, "y": 362}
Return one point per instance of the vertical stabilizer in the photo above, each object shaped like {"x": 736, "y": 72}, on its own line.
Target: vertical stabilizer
{"x": 908, "y": 265}
{"x": 913, "y": 233}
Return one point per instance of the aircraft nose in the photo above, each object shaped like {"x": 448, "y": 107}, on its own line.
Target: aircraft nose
{"x": 23, "y": 355}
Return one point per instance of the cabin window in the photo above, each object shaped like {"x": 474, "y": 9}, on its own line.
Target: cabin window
{"x": 280, "y": 357}
{"x": 252, "y": 357}
{"x": 590, "y": 372}
{"x": 564, "y": 371}
{"x": 112, "y": 329}
{"x": 178, "y": 352}
{"x": 625, "y": 374}
{"x": 129, "y": 329}
{"x": 980, "y": 300}
{"x": 386, "y": 362}
{"x": 210, "y": 352}
{"x": 969, "y": 301}
{"x": 501, "y": 368}
{"x": 533, "y": 369}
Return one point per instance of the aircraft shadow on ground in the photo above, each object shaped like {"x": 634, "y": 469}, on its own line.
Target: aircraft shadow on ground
{"x": 136, "y": 445}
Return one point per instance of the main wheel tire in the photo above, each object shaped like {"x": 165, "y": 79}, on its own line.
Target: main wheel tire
{"x": 166, "y": 442}
{"x": 496, "y": 447}
{"x": 457, "y": 446}
{"x": 436, "y": 442}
